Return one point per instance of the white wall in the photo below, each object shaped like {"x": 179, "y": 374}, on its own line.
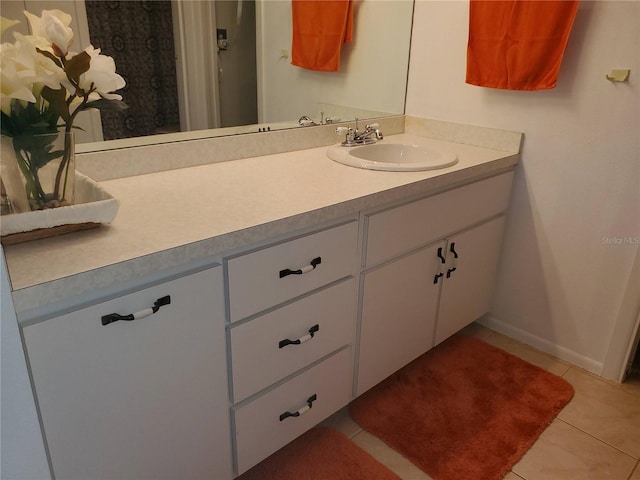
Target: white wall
{"x": 560, "y": 284}
{"x": 372, "y": 74}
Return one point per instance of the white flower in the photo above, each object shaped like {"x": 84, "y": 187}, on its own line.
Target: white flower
{"x": 24, "y": 71}
{"x": 101, "y": 76}
{"x": 42, "y": 59}
{"x": 13, "y": 86}
{"x": 53, "y": 28}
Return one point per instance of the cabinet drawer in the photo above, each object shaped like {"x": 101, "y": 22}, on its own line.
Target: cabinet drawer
{"x": 257, "y": 357}
{"x": 259, "y": 430}
{"x": 255, "y": 281}
{"x": 401, "y": 229}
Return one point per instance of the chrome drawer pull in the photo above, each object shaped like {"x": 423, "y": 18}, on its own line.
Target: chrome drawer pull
{"x": 301, "y": 411}
{"x": 114, "y": 317}
{"x": 312, "y": 266}
{"x": 306, "y": 338}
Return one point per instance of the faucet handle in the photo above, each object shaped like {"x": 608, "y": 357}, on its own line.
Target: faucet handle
{"x": 372, "y": 126}
{"x": 349, "y": 135}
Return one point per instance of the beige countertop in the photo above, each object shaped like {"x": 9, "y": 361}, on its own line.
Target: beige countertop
{"x": 170, "y": 219}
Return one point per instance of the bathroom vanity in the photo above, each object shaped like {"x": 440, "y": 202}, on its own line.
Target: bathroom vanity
{"x": 294, "y": 284}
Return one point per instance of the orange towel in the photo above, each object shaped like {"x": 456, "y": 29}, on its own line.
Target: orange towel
{"x": 518, "y": 44}
{"x": 320, "y": 27}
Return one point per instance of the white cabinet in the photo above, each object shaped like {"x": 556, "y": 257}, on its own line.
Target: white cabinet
{"x": 141, "y": 399}
{"x": 278, "y": 416}
{"x": 283, "y": 341}
{"x": 399, "y": 230}
{"x": 467, "y": 290}
{"x": 429, "y": 269}
{"x": 165, "y": 396}
{"x": 293, "y": 310}
{"x": 399, "y": 305}
{"x": 275, "y": 274}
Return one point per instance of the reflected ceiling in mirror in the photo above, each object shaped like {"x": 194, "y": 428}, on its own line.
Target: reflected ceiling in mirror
{"x": 232, "y": 71}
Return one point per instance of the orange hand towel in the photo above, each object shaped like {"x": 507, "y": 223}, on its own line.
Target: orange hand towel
{"x": 518, "y": 44}
{"x": 320, "y": 27}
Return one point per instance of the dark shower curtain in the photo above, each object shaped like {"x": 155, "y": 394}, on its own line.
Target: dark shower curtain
{"x": 139, "y": 37}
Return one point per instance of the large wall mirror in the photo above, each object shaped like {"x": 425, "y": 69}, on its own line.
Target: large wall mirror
{"x": 200, "y": 68}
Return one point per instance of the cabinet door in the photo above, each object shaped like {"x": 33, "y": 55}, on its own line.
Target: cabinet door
{"x": 142, "y": 399}
{"x": 467, "y": 290}
{"x": 398, "y": 315}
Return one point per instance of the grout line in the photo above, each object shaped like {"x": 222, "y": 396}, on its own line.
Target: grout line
{"x": 636, "y": 469}
{"x": 356, "y": 433}
{"x": 595, "y": 377}
{"x": 596, "y": 438}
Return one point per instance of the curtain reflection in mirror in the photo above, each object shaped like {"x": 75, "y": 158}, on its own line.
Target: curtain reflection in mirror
{"x": 139, "y": 36}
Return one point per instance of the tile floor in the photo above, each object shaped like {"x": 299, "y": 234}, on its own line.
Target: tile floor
{"x": 595, "y": 437}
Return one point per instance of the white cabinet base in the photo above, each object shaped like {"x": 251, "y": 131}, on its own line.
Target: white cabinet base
{"x": 142, "y": 399}
{"x": 466, "y": 293}
{"x": 399, "y": 307}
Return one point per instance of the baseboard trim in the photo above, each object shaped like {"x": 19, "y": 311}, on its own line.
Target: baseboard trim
{"x": 539, "y": 343}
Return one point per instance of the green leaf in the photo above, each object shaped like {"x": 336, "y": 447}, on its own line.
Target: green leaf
{"x": 29, "y": 118}
{"x": 38, "y": 148}
{"x": 57, "y": 98}
{"x": 6, "y": 125}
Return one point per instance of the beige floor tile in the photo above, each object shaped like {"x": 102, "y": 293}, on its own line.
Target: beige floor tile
{"x": 604, "y": 410}
{"x": 565, "y": 453}
{"x": 342, "y": 421}
{"x": 476, "y": 330}
{"x": 512, "y": 476}
{"x": 636, "y": 473}
{"x": 527, "y": 353}
{"x": 389, "y": 457}
{"x": 632, "y": 384}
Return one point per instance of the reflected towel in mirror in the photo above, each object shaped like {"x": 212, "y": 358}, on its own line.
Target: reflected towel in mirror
{"x": 320, "y": 28}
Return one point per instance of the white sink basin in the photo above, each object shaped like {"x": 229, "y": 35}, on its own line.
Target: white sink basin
{"x": 392, "y": 157}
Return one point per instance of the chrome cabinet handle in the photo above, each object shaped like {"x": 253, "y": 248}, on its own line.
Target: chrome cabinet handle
{"x": 306, "y": 269}
{"x": 302, "y": 410}
{"x": 114, "y": 317}
{"x": 306, "y": 338}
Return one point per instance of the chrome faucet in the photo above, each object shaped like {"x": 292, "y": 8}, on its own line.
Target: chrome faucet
{"x": 370, "y": 134}
{"x": 305, "y": 121}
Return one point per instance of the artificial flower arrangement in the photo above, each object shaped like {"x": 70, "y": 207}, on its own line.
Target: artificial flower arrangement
{"x": 43, "y": 89}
